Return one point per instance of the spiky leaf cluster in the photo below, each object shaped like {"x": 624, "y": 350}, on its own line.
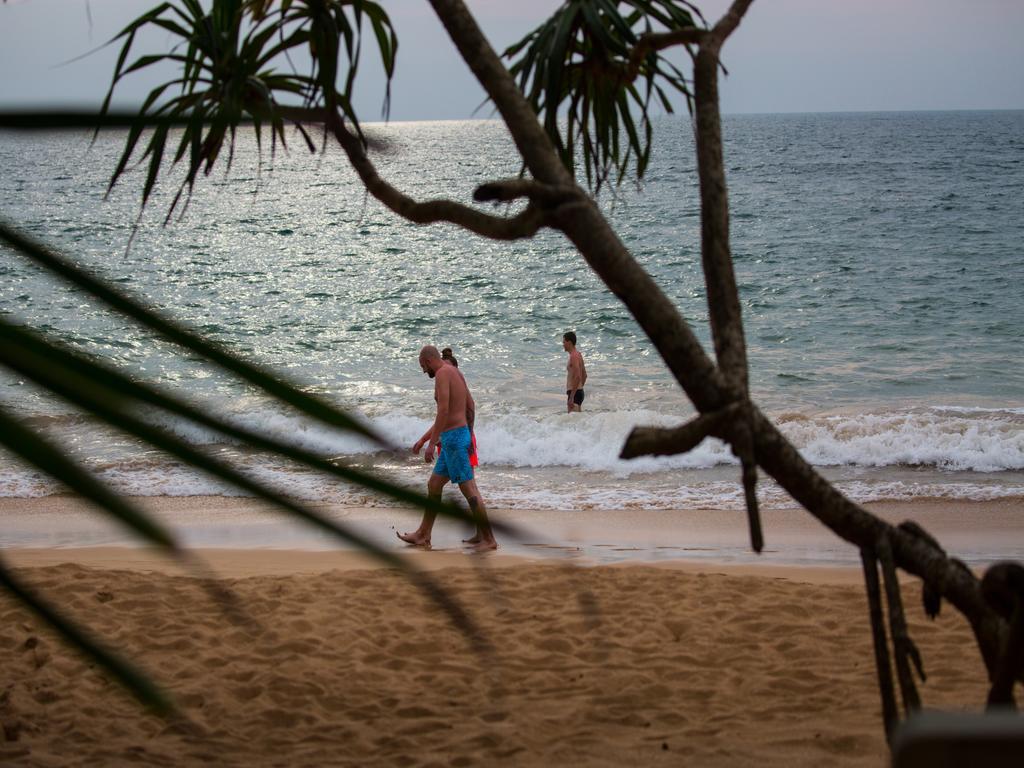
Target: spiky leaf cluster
{"x": 575, "y": 70}
{"x": 234, "y": 64}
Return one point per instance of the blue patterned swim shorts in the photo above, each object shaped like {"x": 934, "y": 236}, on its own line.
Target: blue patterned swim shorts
{"x": 453, "y": 462}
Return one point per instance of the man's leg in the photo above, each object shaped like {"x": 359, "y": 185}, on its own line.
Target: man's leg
{"x": 484, "y": 538}
{"x": 421, "y": 536}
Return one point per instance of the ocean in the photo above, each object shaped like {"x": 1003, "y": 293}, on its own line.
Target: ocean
{"x": 880, "y": 260}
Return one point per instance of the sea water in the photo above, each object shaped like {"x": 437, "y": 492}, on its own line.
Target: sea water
{"x": 880, "y": 262}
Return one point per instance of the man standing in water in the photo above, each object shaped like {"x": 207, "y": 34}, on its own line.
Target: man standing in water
{"x": 451, "y": 429}
{"x": 576, "y": 374}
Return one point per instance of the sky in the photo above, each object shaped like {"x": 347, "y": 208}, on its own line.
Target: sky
{"x": 787, "y": 56}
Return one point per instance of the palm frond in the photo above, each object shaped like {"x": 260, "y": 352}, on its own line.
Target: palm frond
{"x": 575, "y": 71}
{"x": 56, "y": 367}
{"x": 226, "y": 57}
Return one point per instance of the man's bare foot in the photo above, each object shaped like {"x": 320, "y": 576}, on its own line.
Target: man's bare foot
{"x": 485, "y": 545}
{"x": 415, "y": 538}
{"x": 474, "y": 539}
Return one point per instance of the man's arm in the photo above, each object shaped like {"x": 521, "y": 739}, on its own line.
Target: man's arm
{"x": 470, "y": 410}
{"x": 422, "y": 441}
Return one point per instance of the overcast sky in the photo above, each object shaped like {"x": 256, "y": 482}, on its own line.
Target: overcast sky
{"x": 788, "y": 55}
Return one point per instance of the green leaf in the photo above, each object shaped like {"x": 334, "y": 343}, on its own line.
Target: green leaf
{"x": 156, "y": 152}
{"x": 576, "y": 64}
{"x": 145, "y": 61}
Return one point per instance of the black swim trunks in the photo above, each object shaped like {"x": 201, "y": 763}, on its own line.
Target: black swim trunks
{"x": 578, "y": 400}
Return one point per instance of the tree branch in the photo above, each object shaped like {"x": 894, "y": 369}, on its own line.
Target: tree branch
{"x": 742, "y": 439}
{"x": 720, "y": 280}
{"x": 903, "y": 647}
{"x": 660, "y": 441}
{"x": 659, "y": 318}
{"x": 724, "y": 308}
{"x": 523, "y": 225}
{"x": 649, "y": 42}
{"x": 583, "y": 223}
{"x": 533, "y": 143}
{"x": 544, "y": 195}
{"x": 728, "y": 23}
{"x": 883, "y": 665}
{"x": 703, "y": 382}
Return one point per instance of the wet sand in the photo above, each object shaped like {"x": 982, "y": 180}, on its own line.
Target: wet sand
{"x": 977, "y": 532}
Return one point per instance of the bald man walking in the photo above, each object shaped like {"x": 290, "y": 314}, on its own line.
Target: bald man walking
{"x": 451, "y": 429}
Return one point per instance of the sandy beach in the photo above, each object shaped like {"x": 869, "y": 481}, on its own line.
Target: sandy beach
{"x": 683, "y": 660}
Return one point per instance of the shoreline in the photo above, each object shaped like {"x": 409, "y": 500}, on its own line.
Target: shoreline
{"x": 256, "y": 563}
{"x": 979, "y": 533}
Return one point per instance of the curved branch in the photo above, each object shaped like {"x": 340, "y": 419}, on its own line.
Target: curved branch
{"x": 524, "y": 224}
{"x": 545, "y": 195}
{"x": 649, "y": 42}
{"x": 726, "y": 25}
{"x": 659, "y": 441}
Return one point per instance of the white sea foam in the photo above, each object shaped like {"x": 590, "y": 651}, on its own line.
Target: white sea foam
{"x": 986, "y": 441}
{"x": 927, "y": 452}
{"x": 990, "y": 440}
{"x": 519, "y": 493}
{"x": 589, "y": 442}
{"x": 946, "y": 438}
